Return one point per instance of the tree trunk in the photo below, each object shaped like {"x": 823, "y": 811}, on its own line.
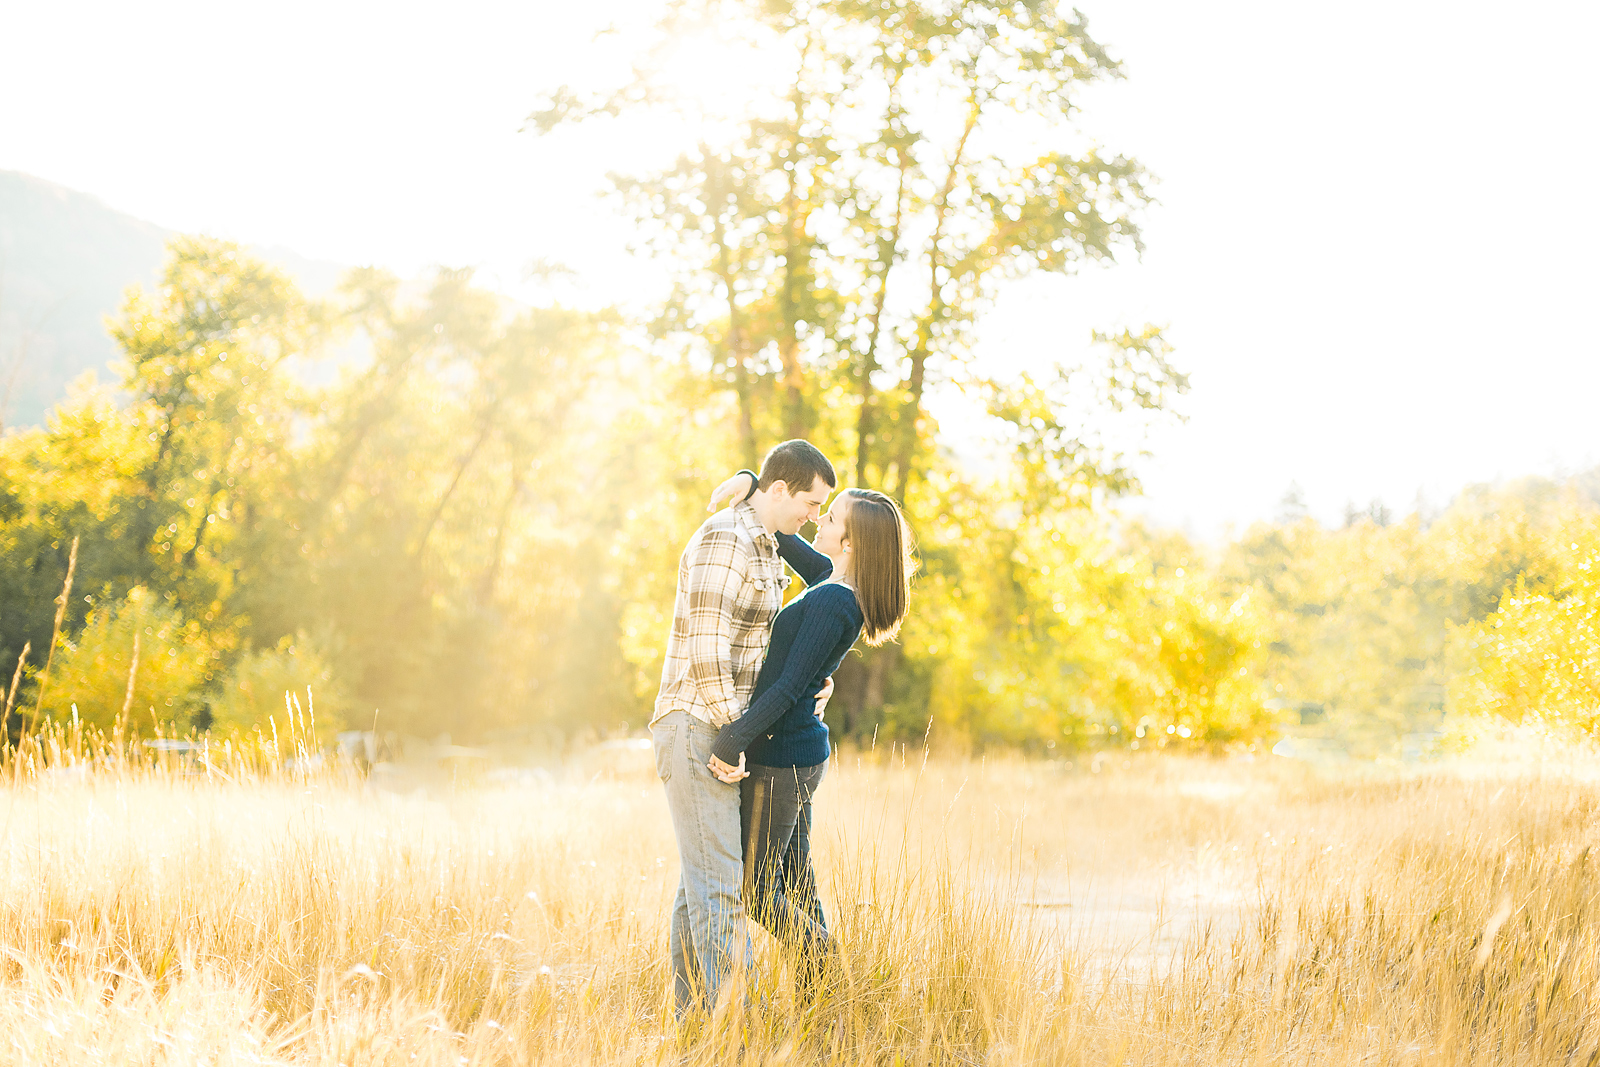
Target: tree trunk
{"x": 860, "y": 685}
{"x": 911, "y": 412}
{"x": 795, "y": 262}
{"x": 910, "y": 415}
{"x": 747, "y": 428}
{"x": 882, "y": 665}
{"x": 850, "y": 697}
{"x": 193, "y": 554}
{"x": 146, "y": 525}
{"x": 888, "y": 253}
{"x": 788, "y": 307}
{"x": 461, "y": 470}
{"x": 379, "y": 386}
{"x": 717, "y": 194}
{"x": 491, "y": 574}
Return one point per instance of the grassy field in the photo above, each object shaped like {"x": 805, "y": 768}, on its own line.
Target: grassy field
{"x": 1149, "y": 911}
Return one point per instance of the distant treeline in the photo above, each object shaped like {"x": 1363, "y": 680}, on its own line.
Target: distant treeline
{"x": 475, "y": 531}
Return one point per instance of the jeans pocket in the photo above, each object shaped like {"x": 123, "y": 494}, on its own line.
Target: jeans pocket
{"x": 665, "y": 737}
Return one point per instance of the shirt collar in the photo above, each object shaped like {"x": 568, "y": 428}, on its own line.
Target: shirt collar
{"x": 752, "y": 522}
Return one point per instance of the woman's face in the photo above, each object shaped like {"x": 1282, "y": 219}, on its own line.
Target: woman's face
{"x": 830, "y": 527}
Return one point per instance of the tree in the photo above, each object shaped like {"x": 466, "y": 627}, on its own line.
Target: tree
{"x": 835, "y": 240}
{"x": 425, "y": 521}
{"x": 832, "y": 252}
{"x": 206, "y": 356}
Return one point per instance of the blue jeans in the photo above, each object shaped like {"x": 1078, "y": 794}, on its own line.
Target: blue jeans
{"x": 709, "y": 937}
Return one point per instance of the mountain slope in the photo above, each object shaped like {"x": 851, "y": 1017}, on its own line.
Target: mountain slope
{"x": 66, "y": 260}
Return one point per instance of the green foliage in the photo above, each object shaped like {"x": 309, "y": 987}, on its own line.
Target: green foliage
{"x": 483, "y": 520}
{"x": 1051, "y": 423}
{"x": 1042, "y": 629}
{"x": 444, "y": 513}
{"x": 1386, "y": 627}
{"x": 76, "y": 476}
{"x": 207, "y": 359}
{"x": 1538, "y": 655}
{"x": 834, "y": 244}
{"x": 455, "y": 517}
{"x": 261, "y": 681}
{"x": 176, "y": 659}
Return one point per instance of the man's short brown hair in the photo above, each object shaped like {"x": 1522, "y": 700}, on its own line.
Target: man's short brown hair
{"x": 797, "y": 464}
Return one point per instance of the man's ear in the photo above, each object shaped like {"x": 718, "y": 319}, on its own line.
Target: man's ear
{"x": 778, "y": 487}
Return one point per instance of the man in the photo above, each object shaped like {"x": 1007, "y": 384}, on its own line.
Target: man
{"x": 730, "y": 587}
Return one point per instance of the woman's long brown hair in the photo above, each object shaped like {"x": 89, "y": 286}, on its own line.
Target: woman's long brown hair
{"x": 880, "y": 542}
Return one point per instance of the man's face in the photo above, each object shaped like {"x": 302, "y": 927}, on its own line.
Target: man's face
{"x": 794, "y": 510}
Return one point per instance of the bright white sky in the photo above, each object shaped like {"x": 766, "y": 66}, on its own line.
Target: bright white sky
{"x": 1375, "y": 246}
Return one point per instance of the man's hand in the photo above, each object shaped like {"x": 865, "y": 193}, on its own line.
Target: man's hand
{"x": 725, "y": 773}
{"x": 822, "y": 696}
{"x": 738, "y": 484}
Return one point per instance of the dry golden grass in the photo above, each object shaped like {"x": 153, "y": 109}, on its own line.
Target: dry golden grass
{"x": 994, "y": 912}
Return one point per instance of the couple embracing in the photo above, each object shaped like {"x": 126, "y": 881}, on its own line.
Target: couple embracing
{"x": 739, "y": 738}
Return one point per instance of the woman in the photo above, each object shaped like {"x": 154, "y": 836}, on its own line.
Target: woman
{"x": 857, "y": 572}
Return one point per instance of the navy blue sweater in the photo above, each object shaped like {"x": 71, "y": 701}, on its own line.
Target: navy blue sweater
{"x": 810, "y": 637}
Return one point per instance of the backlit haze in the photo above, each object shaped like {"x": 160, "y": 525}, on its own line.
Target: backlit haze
{"x": 1374, "y": 243}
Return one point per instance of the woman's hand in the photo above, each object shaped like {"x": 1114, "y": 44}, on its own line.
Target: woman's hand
{"x": 739, "y": 483}
{"x": 725, "y": 773}
{"x": 823, "y": 694}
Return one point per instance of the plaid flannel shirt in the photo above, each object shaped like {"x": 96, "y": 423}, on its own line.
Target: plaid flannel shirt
{"x": 730, "y": 587}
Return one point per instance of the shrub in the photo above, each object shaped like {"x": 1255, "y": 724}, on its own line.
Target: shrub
{"x": 255, "y": 689}
{"x": 176, "y": 660}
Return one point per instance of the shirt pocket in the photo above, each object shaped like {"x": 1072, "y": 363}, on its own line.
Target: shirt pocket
{"x": 750, "y": 605}
{"x": 764, "y": 589}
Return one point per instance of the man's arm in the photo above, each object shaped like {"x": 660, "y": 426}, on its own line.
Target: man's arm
{"x": 718, "y": 563}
